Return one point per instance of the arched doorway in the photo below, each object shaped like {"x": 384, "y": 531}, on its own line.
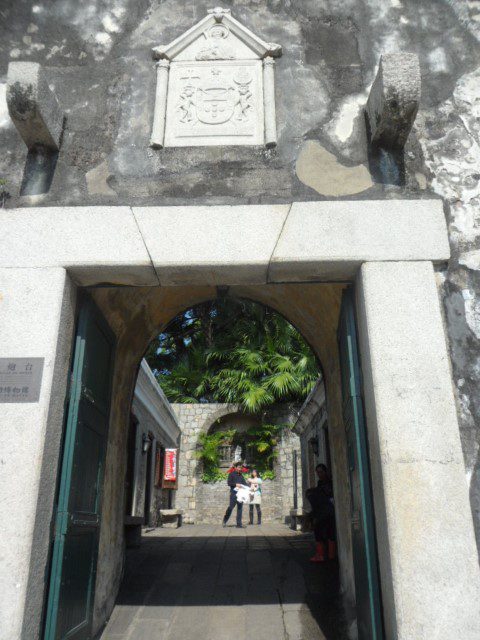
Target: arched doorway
{"x": 315, "y": 310}
{"x": 234, "y": 367}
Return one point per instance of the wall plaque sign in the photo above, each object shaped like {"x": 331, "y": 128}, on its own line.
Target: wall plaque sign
{"x": 20, "y": 379}
{"x": 170, "y": 475}
{"x": 170, "y": 467}
{"x": 215, "y": 86}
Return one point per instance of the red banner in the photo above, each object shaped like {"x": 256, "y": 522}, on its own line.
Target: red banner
{"x": 170, "y": 466}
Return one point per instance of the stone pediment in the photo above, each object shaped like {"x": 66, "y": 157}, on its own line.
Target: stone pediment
{"x": 215, "y": 86}
{"x": 218, "y": 36}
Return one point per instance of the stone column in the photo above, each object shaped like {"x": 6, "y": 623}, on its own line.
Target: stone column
{"x": 160, "y": 111}
{"x": 36, "y": 320}
{"x": 428, "y": 558}
{"x": 269, "y": 101}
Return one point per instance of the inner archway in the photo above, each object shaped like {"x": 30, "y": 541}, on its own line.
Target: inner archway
{"x": 237, "y": 374}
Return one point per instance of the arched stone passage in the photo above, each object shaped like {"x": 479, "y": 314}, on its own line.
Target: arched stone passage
{"x": 205, "y": 502}
{"x": 137, "y": 314}
{"x": 221, "y": 411}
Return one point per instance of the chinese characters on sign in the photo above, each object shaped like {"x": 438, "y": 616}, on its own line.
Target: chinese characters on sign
{"x": 20, "y": 379}
{"x": 170, "y": 466}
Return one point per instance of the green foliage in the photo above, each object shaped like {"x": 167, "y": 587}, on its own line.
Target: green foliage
{"x": 231, "y": 350}
{"x": 214, "y": 475}
{"x": 268, "y": 474}
{"x": 236, "y": 351}
{"x": 264, "y": 439}
{"x": 208, "y": 451}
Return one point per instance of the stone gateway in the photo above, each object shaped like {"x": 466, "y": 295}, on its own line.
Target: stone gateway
{"x": 132, "y": 191}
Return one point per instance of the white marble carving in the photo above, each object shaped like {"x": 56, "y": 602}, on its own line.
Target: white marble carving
{"x": 215, "y": 86}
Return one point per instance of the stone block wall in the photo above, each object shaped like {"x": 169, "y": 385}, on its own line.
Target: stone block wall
{"x": 206, "y": 503}
{"x": 287, "y": 414}
{"x": 212, "y": 500}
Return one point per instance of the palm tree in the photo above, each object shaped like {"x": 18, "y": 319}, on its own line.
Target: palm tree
{"x": 232, "y": 350}
{"x": 188, "y": 381}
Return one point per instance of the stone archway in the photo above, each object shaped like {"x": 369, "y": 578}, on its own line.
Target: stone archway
{"x": 194, "y": 419}
{"x": 423, "y": 514}
{"x": 313, "y": 308}
{"x": 220, "y": 411}
{"x": 137, "y": 314}
{"x": 205, "y": 502}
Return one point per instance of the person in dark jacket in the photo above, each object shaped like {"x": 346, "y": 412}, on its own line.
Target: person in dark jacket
{"x": 235, "y": 479}
{"x": 323, "y": 514}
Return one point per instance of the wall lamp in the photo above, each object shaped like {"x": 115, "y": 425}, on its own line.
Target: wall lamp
{"x": 146, "y": 443}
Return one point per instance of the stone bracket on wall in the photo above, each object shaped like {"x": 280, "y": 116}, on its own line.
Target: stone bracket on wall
{"x": 33, "y": 106}
{"x": 39, "y": 119}
{"x": 393, "y": 101}
{"x": 215, "y": 86}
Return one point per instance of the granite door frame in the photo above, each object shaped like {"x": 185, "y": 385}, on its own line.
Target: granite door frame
{"x": 388, "y": 248}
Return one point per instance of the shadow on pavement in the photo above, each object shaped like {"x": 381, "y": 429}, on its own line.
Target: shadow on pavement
{"x": 257, "y": 582}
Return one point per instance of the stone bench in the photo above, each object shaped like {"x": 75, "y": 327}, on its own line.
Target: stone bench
{"x": 133, "y": 531}
{"x": 298, "y": 518}
{"x": 171, "y": 518}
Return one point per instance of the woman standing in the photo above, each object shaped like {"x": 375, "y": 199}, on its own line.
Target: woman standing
{"x": 255, "y": 483}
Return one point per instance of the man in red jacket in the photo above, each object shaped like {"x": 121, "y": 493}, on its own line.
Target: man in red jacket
{"x": 235, "y": 479}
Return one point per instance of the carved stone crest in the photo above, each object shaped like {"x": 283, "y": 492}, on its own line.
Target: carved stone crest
{"x": 215, "y": 86}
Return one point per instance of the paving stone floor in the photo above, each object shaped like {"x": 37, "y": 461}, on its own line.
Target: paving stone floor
{"x": 204, "y": 582}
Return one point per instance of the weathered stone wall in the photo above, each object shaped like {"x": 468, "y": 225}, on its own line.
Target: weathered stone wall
{"x": 203, "y": 502}
{"x": 309, "y": 458}
{"x": 193, "y": 419}
{"x": 104, "y": 76}
{"x": 97, "y": 58}
{"x": 289, "y": 443}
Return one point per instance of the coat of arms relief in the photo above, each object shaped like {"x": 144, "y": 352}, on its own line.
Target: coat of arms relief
{"x": 225, "y": 98}
{"x": 215, "y": 86}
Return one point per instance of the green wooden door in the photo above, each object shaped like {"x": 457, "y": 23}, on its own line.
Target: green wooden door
{"x": 77, "y": 525}
{"x": 369, "y": 616}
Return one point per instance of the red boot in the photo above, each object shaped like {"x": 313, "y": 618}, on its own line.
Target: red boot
{"x": 319, "y": 553}
{"x": 332, "y": 550}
